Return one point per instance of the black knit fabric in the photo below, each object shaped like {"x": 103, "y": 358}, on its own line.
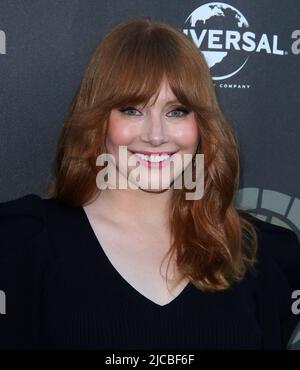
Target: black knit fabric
{"x": 62, "y": 292}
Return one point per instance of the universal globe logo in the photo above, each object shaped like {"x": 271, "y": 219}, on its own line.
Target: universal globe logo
{"x": 222, "y": 32}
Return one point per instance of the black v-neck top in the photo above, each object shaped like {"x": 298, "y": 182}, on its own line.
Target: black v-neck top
{"x": 62, "y": 291}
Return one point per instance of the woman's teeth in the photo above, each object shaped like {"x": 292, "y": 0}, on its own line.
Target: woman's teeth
{"x": 153, "y": 158}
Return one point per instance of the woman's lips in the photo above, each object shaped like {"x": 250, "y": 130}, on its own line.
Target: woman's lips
{"x": 149, "y": 164}
{"x": 155, "y": 153}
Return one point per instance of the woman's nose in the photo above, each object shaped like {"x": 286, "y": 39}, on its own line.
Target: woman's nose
{"x": 155, "y": 131}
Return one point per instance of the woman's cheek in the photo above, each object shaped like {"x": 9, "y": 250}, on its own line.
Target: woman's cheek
{"x": 120, "y": 132}
{"x": 187, "y": 135}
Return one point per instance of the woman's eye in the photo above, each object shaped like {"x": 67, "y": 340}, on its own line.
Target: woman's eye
{"x": 179, "y": 112}
{"x": 130, "y": 111}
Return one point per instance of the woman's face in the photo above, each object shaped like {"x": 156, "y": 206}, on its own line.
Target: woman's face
{"x": 166, "y": 128}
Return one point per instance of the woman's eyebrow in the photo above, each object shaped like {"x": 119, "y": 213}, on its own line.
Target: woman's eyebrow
{"x": 173, "y": 101}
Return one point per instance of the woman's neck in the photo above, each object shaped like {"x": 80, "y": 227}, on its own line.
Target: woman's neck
{"x": 134, "y": 206}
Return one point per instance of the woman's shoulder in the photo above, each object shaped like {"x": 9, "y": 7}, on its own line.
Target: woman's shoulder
{"x": 21, "y": 220}
{"x": 27, "y": 205}
{"x": 46, "y": 223}
{"x": 277, "y": 272}
{"x": 278, "y": 245}
{"x": 26, "y": 262}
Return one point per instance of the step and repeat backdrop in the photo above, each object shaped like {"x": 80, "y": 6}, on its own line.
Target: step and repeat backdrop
{"x": 251, "y": 47}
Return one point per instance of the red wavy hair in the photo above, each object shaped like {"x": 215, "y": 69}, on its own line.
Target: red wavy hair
{"x": 213, "y": 241}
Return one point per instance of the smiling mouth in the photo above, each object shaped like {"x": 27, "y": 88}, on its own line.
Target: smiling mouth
{"x": 154, "y": 157}
{"x": 169, "y": 152}
{"x": 158, "y": 159}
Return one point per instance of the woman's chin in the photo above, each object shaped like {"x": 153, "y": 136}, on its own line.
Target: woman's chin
{"x": 153, "y": 187}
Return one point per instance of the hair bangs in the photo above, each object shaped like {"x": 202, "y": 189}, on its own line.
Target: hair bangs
{"x": 137, "y": 74}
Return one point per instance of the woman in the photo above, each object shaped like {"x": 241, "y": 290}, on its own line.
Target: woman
{"x": 88, "y": 266}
